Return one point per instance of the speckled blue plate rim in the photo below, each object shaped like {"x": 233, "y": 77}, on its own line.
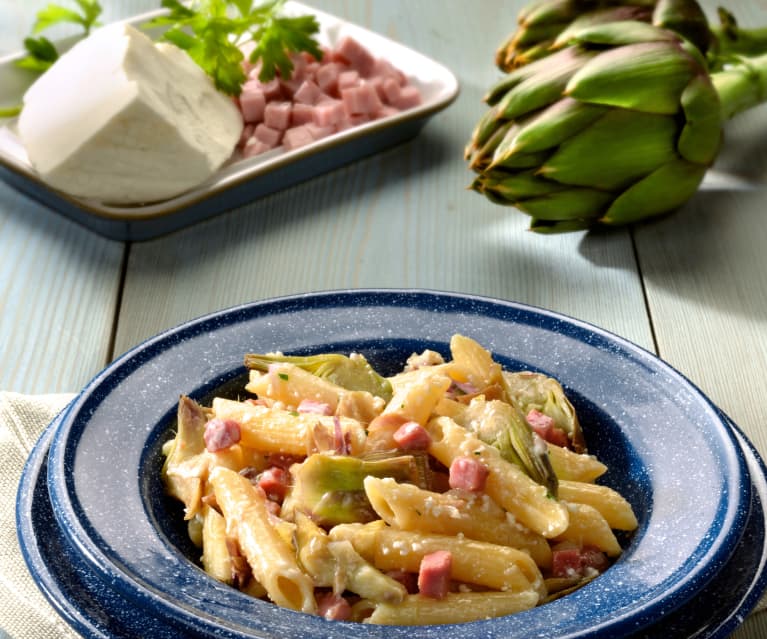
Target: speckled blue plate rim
{"x": 685, "y": 588}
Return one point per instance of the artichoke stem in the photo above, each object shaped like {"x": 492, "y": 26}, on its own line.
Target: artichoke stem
{"x": 741, "y": 85}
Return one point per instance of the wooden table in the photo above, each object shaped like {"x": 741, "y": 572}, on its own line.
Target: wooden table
{"x": 691, "y": 288}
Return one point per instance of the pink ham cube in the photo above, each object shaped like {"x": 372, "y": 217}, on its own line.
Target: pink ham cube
{"x": 328, "y": 112}
{"x": 409, "y": 97}
{"x": 252, "y": 103}
{"x": 327, "y": 77}
{"x": 361, "y": 100}
{"x": 357, "y": 55}
{"x": 301, "y": 114}
{"x": 267, "y": 135}
{"x": 307, "y": 93}
{"x": 296, "y": 137}
{"x": 277, "y": 115}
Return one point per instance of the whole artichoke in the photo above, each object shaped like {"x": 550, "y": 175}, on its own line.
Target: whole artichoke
{"x": 616, "y": 119}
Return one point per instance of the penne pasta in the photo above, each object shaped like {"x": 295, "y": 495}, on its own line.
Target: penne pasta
{"x": 589, "y": 528}
{"x": 273, "y": 430}
{"x": 474, "y": 562}
{"x": 572, "y": 466}
{"x": 290, "y": 384}
{"x": 270, "y": 557}
{"x": 453, "y": 608}
{"x": 507, "y": 484}
{"x": 408, "y": 507}
{"x": 610, "y": 504}
{"x": 344, "y": 502}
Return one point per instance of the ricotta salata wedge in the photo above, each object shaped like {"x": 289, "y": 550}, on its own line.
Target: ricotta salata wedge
{"x": 123, "y": 120}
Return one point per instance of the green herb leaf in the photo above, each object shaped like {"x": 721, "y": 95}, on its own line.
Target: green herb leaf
{"x": 10, "y": 112}
{"x": 213, "y": 32}
{"x": 41, "y": 54}
{"x": 55, "y": 14}
{"x": 41, "y": 51}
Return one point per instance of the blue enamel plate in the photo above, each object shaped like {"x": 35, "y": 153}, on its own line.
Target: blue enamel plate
{"x": 668, "y": 449}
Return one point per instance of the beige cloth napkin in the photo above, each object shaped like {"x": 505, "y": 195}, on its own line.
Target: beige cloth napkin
{"x": 24, "y": 612}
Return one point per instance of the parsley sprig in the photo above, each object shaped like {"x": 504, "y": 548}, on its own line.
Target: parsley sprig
{"x": 41, "y": 52}
{"x": 213, "y": 33}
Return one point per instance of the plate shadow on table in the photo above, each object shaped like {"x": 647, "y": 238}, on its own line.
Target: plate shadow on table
{"x": 715, "y": 240}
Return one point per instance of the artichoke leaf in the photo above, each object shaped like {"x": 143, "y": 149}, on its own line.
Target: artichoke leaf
{"x": 350, "y": 372}
{"x": 330, "y": 488}
{"x": 646, "y": 77}
{"x": 186, "y": 464}
{"x": 503, "y": 426}
{"x": 530, "y": 390}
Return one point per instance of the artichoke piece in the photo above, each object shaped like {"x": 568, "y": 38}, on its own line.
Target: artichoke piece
{"x": 351, "y": 372}
{"x": 529, "y": 390}
{"x": 186, "y": 463}
{"x": 330, "y": 488}
{"x": 503, "y": 426}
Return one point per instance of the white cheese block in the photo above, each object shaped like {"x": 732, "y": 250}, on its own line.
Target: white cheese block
{"x": 123, "y": 120}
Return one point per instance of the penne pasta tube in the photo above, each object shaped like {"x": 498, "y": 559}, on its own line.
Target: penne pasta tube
{"x": 476, "y": 562}
{"x": 271, "y": 559}
{"x": 589, "y": 528}
{"x": 611, "y": 504}
{"x": 215, "y": 555}
{"x": 477, "y": 516}
{"x": 272, "y": 430}
{"x": 290, "y": 384}
{"x": 416, "y": 401}
{"x": 507, "y": 484}
{"x": 454, "y": 608}
{"x": 572, "y": 466}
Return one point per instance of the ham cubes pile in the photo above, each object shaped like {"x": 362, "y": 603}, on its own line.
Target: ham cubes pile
{"x": 348, "y": 87}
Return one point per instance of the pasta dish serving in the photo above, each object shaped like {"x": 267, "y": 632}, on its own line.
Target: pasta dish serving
{"x": 452, "y": 491}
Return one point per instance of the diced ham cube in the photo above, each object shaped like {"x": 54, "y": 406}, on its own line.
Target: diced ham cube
{"x": 267, "y": 135}
{"x": 409, "y": 97}
{"x": 434, "y": 574}
{"x": 221, "y": 434}
{"x": 407, "y": 579}
{"x": 412, "y": 436}
{"x": 334, "y": 607}
{"x": 391, "y": 90}
{"x": 255, "y": 147}
{"x": 566, "y": 562}
{"x": 274, "y": 481}
{"x": 468, "y": 473}
{"x": 386, "y": 69}
{"x": 319, "y": 132}
{"x": 327, "y": 77}
{"x": 347, "y": 80}
{"x": 252, "y": 103}
{"x": 328, "y": 112}
{"x": 545, "y": 427}
{"x": 307, "y": 93}
{"x": 271, "y": 89}
{"x": 277, "y": 115}
{"x": 301, "y": 114}
{"x": 357, "y": 55}
{"x": 573, "y": 561}
{"x": 310, "y": 406}
{"x": 296, "y": 137}
{"x": 289, "y": 87}
{"x": 361, "y": 100}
